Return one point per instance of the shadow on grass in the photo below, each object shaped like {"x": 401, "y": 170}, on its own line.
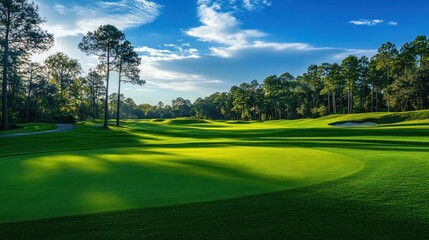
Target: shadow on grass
{"x": 358, "y": 144}
{"x": 66, "y": 183}
{"x": 405, "y": 125}
{"x": 307, "y": 213}
{"x": 206, "y": 133}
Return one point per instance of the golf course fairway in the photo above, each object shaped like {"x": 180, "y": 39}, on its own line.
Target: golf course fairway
{"x": 190, "y": 178}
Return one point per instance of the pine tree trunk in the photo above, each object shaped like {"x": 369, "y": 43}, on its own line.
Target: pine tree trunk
{"x": 387, "y": 95}
{"x": 376, "y": 99}
{"x": 348, "y": 97}
{"x": 329, "y": 103}
{"x": 351, "y": 98}
{"x": 334, "y": 103}
{"x": 106, "y": 101}
{"x": 119, "y": 96}
{"x": 27, "y": 115}
{"x": 5, "y": 121}
{"x": 372, "y": 97}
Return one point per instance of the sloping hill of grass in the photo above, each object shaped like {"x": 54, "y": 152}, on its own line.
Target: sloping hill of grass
{"x": 381, "y": 118}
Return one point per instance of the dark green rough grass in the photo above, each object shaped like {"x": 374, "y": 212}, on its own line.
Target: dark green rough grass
{"x": 387, "y": 199}
{"x": 30, "y": 127}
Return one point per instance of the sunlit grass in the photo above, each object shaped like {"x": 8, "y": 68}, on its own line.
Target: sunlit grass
{"x": 313, "y": 180}
{"x": 148, "y": 177}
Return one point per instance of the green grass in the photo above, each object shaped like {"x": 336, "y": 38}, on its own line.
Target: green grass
{"x": 30, "y": 127}
{"x": 185, "y": 178}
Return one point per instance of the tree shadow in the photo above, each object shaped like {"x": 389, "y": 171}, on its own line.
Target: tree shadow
{"x": 67, "y": 183}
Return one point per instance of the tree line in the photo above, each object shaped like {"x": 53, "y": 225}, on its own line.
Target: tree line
{"x": 56, "y": 90}
{"x": 392, "y": 80}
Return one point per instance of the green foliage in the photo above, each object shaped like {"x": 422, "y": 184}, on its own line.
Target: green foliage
{"x": 320, "y": 111}
{"x": 104, "y": 43}
{"x": 22, "y": 33}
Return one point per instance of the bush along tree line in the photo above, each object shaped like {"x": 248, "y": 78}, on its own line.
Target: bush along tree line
{"x": 392, "y": 80}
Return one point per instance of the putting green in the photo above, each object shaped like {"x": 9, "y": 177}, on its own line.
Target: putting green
{"x": 88, "y": 181}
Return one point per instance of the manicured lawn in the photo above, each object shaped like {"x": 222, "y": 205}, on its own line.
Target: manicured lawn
{"x": 181, "y": 179}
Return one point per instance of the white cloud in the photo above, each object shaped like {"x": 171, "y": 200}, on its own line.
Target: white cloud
{"x": 254, "y": 4}
{"x": 139, "y": 89}
{"x": 70, "y": 19}
{"x": 391, "y": 23}
{"x": 61, "y": 9}
{"x": 68, "y": 45}
{"x": 157, "y": 76}
{"x": 220, "y": 27}
{"x": 231, "y": 51}
{"x": 366, "y": 22}
{"x": 178, "y": 53}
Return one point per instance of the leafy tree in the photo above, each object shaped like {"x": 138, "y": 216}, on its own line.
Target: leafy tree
{"x": 420, "y": 46}
{"x": 127, "y": 64}
{"x": 96, "y": 88}
{"x": 20, "y": 31}
{"x": 385, "y": 59}
{"x": 350, "y": 72}
{"x": 63, "y": 72}
{"x": 33, "y": 73}
{"x": 104, "y": 43}
{"x": 315, "y": 83}
{"x": 181, "y": 107}
{"x": 329, "y": 86}
{"x": 363, "y": 80}
{"x": 242, "y": 101}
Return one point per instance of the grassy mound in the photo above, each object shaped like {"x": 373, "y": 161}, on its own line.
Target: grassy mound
{"x": 381, "y": 118}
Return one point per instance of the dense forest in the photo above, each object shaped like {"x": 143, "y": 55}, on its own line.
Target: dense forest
{"x": 56, "y": 90}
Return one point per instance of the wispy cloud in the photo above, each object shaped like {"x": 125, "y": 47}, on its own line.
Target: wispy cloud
{"x": 69, "y": 19}
{"x": 366, "y": 22}
{"x": 356, "y": 52}
{"x": 255, "y": 4}
{"x": 170, "y": 52}
{"x": 158, "y": 76}
{"x": 220, "y": 26}
{"x": 391, "y": 23}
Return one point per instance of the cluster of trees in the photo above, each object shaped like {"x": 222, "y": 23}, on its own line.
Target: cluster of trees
{"x": 56, "y": 89}
{"x": 392, "y": 80}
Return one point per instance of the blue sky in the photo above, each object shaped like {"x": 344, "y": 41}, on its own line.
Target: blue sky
{"x": 192, "y": 48}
